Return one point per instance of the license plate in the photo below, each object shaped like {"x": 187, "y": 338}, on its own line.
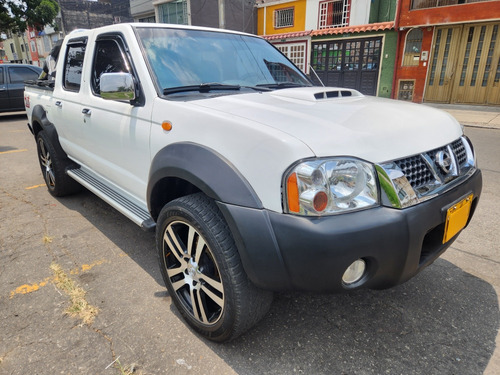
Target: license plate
{"x": 456, "y": 218}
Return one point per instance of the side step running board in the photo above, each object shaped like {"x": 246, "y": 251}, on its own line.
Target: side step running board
{"x": 118, "y": 201}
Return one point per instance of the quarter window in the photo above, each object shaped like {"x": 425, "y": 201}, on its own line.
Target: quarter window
{"x": 73, "y": 66}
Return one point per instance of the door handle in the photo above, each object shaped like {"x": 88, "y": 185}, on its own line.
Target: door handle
{"x": 86, "y": 112}
{"x": 59, "y": 104}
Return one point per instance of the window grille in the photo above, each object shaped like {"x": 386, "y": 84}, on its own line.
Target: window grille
{"x": 283, "y": 17}
{"x": 406, "y": 90}
{"x": 296, "y": 53}
{"x": 334, "y": 13}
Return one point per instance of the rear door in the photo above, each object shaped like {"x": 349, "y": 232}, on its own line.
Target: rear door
{"x": 16, "y": 76}
{"x": 66, "y": 103}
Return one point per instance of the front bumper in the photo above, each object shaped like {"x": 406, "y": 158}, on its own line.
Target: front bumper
{"x": 286, "y": 252}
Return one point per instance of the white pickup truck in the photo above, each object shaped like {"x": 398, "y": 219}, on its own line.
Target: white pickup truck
{"x": 254, "y": 179}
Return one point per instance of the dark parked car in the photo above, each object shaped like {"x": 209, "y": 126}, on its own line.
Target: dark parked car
{"x": 12, "y": 77}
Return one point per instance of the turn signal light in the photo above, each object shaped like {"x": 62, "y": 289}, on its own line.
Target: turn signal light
{"x": 293, "y": 193}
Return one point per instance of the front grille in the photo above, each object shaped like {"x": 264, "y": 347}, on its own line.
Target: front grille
{"x": 418, "y": 172}
{"x": 415, "y": 170}
{"x": 420, "y": 177}
{"x": 432, "y": 155}
{"x": 459, "y": 151}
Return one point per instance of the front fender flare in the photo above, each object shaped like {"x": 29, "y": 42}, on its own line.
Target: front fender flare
{"x": 204, "y": 168}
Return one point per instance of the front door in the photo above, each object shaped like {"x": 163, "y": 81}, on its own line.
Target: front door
{"x": 348, "y": 63}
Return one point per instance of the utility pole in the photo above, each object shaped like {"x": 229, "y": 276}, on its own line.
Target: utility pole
{"x": 222, "y": 15}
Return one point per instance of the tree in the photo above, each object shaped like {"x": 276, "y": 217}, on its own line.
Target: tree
{"x": 17, "y": 15}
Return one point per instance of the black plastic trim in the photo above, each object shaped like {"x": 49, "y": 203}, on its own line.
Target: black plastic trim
{"x": 288, "y": 252}
{"x": 39, "y": 116}
{"x": 204, "y": 168}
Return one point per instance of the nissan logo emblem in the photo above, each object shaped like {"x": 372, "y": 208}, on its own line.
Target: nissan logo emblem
{"x": 444, "y": 160}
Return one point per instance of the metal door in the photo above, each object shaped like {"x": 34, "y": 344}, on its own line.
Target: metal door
{"x": 465, "y": 65}
{"x": 443, "y": 64}
{"x": 478, "y": 74}
{"x": 348, "y": 63}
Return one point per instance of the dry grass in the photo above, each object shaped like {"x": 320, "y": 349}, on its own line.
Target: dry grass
{"x": 79, "y": 307}
{"x": 46, "y": 239}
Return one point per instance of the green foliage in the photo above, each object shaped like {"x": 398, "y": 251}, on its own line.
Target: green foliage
{"x": 17, "y": 15}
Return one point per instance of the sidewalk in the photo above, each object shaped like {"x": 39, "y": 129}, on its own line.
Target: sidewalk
{"x": 472, "y": 115}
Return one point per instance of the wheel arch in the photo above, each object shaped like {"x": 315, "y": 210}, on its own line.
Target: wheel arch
{"x": 39, "y": 122}
{"x": 185, "y": 168}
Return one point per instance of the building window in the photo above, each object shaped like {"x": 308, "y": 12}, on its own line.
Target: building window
{"x": 33, "y": 46}
{"x": 406, "y": 90}
{"x": 173, "y": 12}
{"x": 150, "y": 19}
{"x": 296, "y": 53}
{"x": 413, "y": 47}
{"x": 283, "y": 18}
{"x": 334, "y": 13}
{"x": 421, "y": 4}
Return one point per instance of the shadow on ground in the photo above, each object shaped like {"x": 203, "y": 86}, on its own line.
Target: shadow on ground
{"x": 444, "y": 321}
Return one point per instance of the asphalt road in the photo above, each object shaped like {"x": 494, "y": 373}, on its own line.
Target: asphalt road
{"x": 444, "y": 321}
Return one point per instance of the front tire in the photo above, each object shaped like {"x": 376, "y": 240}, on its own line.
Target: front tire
{"x": 53, "y": 166}
{"x": 202, "y": 270}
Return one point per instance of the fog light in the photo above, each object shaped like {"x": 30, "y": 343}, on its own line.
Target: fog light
{"x": 354, "y": 272}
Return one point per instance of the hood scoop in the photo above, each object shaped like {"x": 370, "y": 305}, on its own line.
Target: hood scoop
{"x": 315, "y": 94}
{"x": 340, "y": 93}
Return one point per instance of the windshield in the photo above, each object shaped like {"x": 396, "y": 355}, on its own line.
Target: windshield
{"x": 181, "y": 58}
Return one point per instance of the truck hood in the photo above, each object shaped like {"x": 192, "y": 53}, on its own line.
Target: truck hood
{"x": 370, "y": 128}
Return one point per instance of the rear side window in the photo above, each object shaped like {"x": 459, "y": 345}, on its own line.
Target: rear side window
{"x": 73, "y": 66}
{"x": 21, "y": 74}
{"x": 1, "y": 76}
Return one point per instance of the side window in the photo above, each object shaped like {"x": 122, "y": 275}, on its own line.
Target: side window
{"x": 21, "y": 74}
{"x": 73, "y": 66}
{"x": 1, "y": 76}
{"x": 108, "y": 58}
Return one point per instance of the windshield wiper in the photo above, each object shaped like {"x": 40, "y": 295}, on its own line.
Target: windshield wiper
{"x": 204, "y": 87}
{"x": 281, "y": 85}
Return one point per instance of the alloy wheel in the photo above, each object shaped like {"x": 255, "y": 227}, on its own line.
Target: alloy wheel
{"x": 193, "y": 272}
{"x": 46, "y": 162}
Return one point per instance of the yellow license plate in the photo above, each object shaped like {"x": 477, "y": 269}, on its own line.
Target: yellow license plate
{"x": 456, "y": 218}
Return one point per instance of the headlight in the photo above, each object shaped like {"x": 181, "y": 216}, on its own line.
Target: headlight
{"x": 329, "y": 186}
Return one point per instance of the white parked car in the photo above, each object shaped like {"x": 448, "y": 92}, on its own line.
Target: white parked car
{"x": 254, "y": 179}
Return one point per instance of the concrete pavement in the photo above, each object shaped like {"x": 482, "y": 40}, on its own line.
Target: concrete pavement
{"x": 472, "y": 115}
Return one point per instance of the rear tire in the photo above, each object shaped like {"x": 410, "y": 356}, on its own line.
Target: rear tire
{"x": 53, "y": 165}
{"x": 202, "y": 270}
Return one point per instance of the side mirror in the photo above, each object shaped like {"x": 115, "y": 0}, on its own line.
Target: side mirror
{"x": 117, "y": 86}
